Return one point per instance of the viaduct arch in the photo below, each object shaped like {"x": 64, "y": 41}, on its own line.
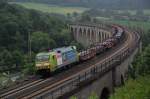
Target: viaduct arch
{"x": 87, "y": 35}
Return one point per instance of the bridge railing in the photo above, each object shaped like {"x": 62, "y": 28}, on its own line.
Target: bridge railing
{"x": 94, "y": 25}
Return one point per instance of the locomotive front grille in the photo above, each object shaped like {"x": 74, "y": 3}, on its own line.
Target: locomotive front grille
{"x": 42, "y": 66}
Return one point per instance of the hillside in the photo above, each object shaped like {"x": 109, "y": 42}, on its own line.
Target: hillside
{"x": 18, "y": 25}
{"x": 115, "y": 4}
{"x": 52, "y": 8}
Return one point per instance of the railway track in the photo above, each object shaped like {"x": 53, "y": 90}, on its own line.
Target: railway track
{"x": 69, "y": 77}
{"x": 18, "y": 88}
{"x": 128, "y": 43}
{"x": 35, "y": 88}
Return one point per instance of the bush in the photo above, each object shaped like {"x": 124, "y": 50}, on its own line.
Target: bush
{"x": 93, "y": 96}
{"x": 29, "y": 69}
{"x": 141, "y": 64}
{"x": 134, "y": 89}
{"x": 73, "y": 97}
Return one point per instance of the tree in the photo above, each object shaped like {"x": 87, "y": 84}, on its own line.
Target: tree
{"x": 68, "y": 15}
{"x": 75, "y": 14}
{"x": 126, "y": 13}
{"x": 18, "y": 59}
{"x": 145, "y": 38}
{"x": 41, "y": 41}
{"x": 6, "y": 59}
{"x": 78, "y": 45}
{"x": 85, "y": 18}
{"x": 29, "y": 68}
{"x": 66, "y": 37}
{"x": 2, "y": 2}
{"x": 47, "y": 31}
{"x": 139, "y": 13}
{"x": 141, "y": 64}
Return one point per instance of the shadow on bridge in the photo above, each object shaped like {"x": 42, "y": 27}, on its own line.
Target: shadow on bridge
{"x": 105, "y": 93}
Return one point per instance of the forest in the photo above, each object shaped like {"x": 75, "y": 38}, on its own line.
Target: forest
{"x": 21, "y": 28}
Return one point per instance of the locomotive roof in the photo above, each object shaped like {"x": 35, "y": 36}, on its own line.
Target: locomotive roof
{"x": 44, "y": 53}
{"x": 64, "y": 49}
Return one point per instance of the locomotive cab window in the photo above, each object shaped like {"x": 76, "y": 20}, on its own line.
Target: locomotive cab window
{"x": 42, "y": 58}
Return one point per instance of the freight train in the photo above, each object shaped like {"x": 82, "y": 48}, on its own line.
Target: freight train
{"x": 59, "y": 58}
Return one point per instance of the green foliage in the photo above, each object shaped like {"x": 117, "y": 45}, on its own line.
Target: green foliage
{"x": 139, "y": 12}
{"x": 40, "y": 41}
{"x": 139, "y": 87}
{"x": 65, "y": 37}
{"x": 134, "y": 89}
{"x": 143, "y": 28}
{"x": 137, "y": 24}
{"x": 29, "y": 68}
{"x": 17, "y": 59}
{"x": 146, "y": 38}
{"x": 109, "y": 4}
{"x": 73, "y": 97}
{"x": 141, "y": 63}
{"x": 6, "y": 58}
{"x": 93, "y": 96}
{"x": 75, "y": 14}
{"x": 78, "y": 45}
{"x": 64, "y": 10}
{"x": 85, "y": 18}
{"x": 17, "y": 24}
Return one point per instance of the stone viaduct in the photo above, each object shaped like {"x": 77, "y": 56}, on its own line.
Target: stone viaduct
{"x": 89, "y": 34}
{"x": 101, "y": 77}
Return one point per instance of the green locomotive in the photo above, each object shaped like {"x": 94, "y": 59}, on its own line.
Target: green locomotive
{"x": 56, "y": 58}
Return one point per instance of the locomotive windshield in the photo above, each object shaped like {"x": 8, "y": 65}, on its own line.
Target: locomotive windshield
{"x": 42, "y": 58}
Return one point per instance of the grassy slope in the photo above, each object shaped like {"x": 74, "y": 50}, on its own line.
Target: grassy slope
{"x": 147, "y": 12}
{"x": 143, "y": 25}
{"x": 133, "y": 12}
{"x": 134, "y": 89}
{"x": 52, "y": 8}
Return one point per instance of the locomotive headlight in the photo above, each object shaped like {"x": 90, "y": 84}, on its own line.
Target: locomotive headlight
{"x": 46, "y": 64}
{"x": 38, "y": 65}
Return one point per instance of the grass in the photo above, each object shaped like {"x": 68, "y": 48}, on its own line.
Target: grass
{"x": 52, "y": 8}
{"x": 64, "y": 9}
{"x": 134, "y": 89}
{"x": 3, "y": 80}
{"x": 7, "y": 80}
{"x": 102, "y": 18}
{"x": 133, "y": 12}
{"x": 141, "y": 24}
{"x": 147, "y": 12}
